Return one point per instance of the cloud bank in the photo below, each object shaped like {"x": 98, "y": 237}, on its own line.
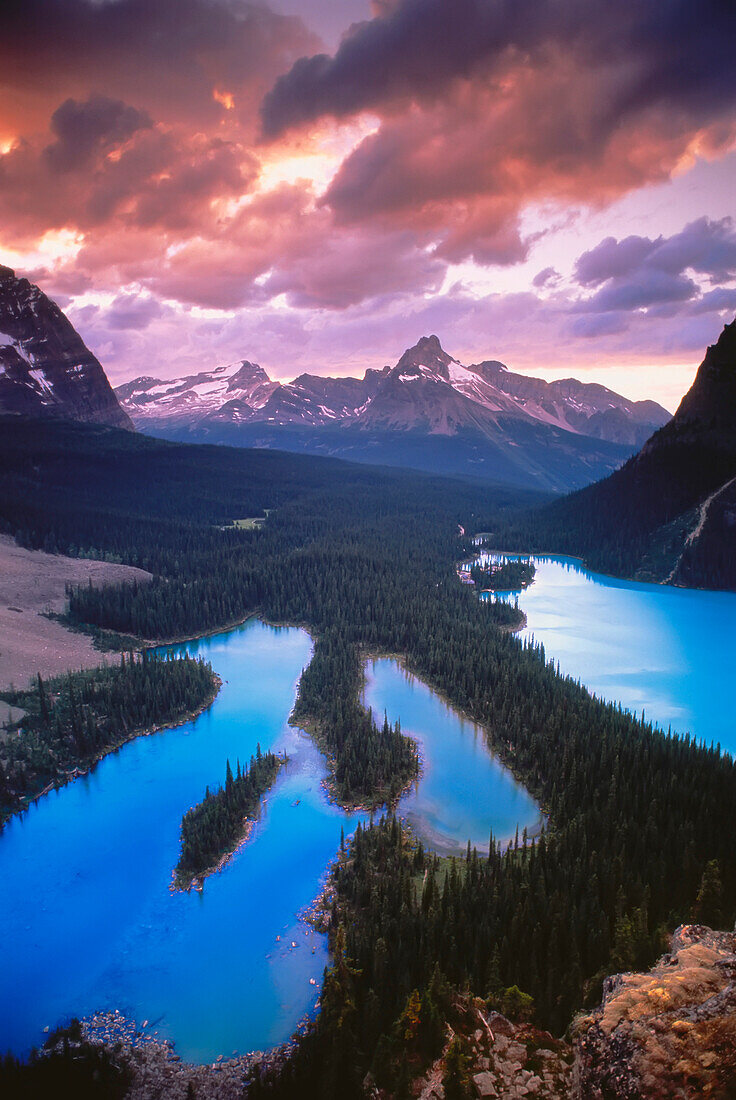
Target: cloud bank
{"x": 167, "y": 145}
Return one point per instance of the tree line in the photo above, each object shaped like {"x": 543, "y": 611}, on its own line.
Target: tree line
{"x": 508, "y": 575}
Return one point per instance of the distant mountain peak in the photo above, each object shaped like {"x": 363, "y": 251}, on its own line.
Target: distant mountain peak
{"x": 427, "y": 402}
{"x": 430, "y": 343}
{"x": 45, "y": 367}
{"x": 427, "y": 389}
{"x": 426, "y": 357}
{"x": 247, "y": 374}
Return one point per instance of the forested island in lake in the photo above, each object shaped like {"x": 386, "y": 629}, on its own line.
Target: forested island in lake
{"x": 212, "y": 829}
{"x": 506, "y": 575}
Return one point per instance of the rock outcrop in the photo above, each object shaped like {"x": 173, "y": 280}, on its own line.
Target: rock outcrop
{"x": 45, "y": 367}
{"x": 706, "y": 412}
{"x": 504, "y": 1060}
{"x": 667, "y": 1034}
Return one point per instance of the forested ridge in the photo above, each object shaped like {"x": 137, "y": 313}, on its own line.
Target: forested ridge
{"x": 342, "y": 534}
{"x": 213, "y": 828}
{"x": 636, "y": 522}
{"x": 72, "y": 720}
{"x": 366, "y": 561}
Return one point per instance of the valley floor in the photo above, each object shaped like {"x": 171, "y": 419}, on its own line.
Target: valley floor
{"x": 32, "y": 584}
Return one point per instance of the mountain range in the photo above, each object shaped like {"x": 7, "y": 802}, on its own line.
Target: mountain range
{"x": 428, "y": 411}
{"x": 45, "y": 367}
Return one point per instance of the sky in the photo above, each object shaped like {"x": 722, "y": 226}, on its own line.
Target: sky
{"x": 315, "y": 184}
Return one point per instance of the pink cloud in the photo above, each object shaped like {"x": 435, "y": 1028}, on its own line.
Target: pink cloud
{"x": 167, "y": 58}
{"x": 124, "y": 176}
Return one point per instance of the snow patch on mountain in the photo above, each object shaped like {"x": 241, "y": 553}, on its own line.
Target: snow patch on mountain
{"x": 427, "y": 389}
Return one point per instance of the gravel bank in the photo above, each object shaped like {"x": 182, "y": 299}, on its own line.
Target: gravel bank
{"x": 33, "y": 583}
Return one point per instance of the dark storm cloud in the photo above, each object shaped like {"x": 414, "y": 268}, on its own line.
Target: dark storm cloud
{"x": 412, "y": 52}
{"x": 84, "y": 129}
{"x": 167, "y": 56}
{"x": 679, "y": 52}
{"x": 487, "y": 106}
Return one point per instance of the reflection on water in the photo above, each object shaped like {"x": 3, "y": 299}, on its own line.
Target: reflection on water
{"x": 464, "y": 792}
{"x": 667, "y": 652}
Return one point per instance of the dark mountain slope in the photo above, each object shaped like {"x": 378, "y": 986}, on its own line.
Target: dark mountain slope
{"x": 669, "y": 514}
{"x": 82, "y": 489}
{"x": 45, "y": 368}
{"x": 523, "y": 454}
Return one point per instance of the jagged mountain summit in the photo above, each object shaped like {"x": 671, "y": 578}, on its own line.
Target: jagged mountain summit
{"x": 669, "y": 514}
{"x": 426, "y": 388}
{"x": 428, "y": 411}
{"x": 45, "y": 367}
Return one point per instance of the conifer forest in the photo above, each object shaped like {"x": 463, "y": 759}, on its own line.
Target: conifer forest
{"x": 639, "y": 821}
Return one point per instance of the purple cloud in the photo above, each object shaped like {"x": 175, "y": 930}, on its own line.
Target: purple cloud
{"x": 548, "y": 276}
{"x": 612, "y": 259}
{"x": 646, "y": 288}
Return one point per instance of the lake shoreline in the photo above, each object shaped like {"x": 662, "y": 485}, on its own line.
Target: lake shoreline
{"x": 557, "y": 555}
{"x": 373, "y": 655}
{"x": 79, "y": 772}
{"x": 156, "y": 1067}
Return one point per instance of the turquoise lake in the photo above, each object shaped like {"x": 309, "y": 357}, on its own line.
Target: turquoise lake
{"x": 669, "y": 653}
{"x": 463, "y": 791}
{"x": 86, "y": 871}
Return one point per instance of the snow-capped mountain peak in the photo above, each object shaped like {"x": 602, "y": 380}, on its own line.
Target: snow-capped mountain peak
{"x": 45, "y": 367}
{"x": 427, "y": 390}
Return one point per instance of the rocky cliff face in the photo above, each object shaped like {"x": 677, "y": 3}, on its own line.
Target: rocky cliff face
{"x": 668, "y": 1034}
{"x": 707, "y": 412}
{"x": 45, "y": 367}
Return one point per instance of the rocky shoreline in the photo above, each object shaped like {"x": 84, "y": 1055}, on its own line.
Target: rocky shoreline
{"x": 158, "y": 1071}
